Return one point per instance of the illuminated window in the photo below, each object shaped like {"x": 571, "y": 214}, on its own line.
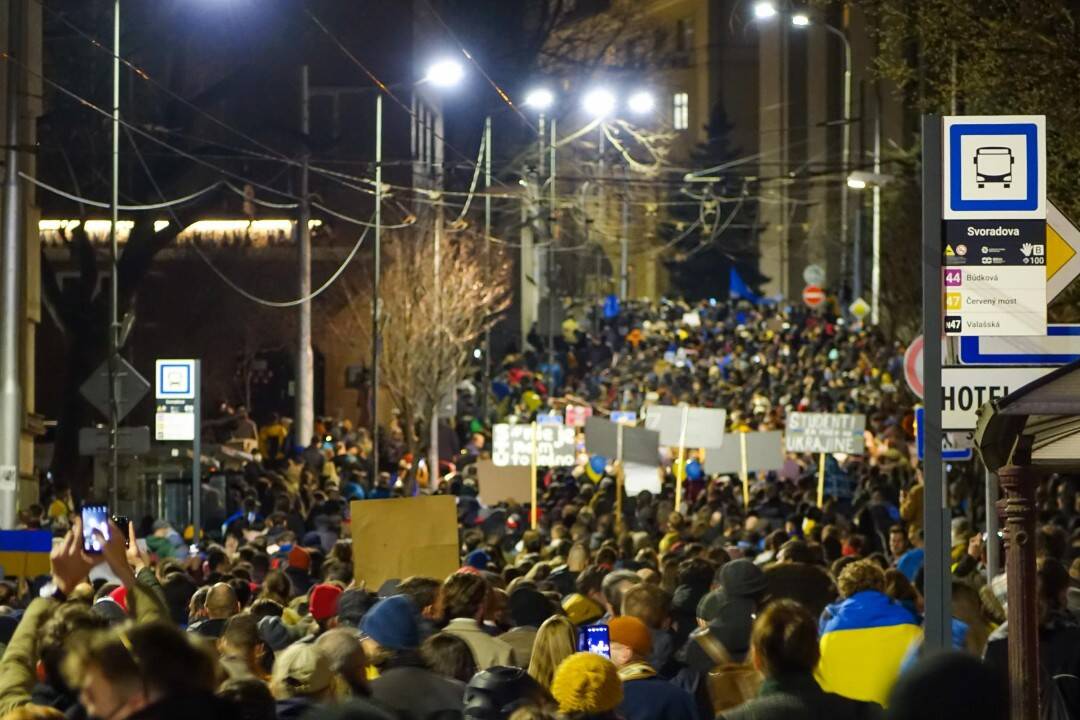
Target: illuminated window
{"x": 680, "y": 110}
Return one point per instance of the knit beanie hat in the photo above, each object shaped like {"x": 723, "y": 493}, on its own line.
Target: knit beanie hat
{"x": 275, "y": 633}
{"x": 529, "y": 607}
{"x": 586, "y": 683}
{"x": 323, "y": 601}
{"x": 392, "y": 623}
{"x": 631, "y": 632}
{"x": 742, "y": 578}
{"x": 299, "y": 558}
{"x": 580, "y": 609}
{"x": 708, "y": 608}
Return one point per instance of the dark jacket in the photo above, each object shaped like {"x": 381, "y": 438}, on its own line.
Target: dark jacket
{"x": 656, "y": 699}
{"x": 799, "y": 697}
{"x": 1059, "y": 655}
{"x": 211, "y": 628}
{"x": 415, "y": 692}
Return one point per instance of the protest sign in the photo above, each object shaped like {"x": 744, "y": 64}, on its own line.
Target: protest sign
{"x": 764, "y": 452}
{"x": 638, "y": 444}
{"x": 576, "y": 415}
{"x": 503, "y": 483}
{"x": 638, "y": 478}
{"x": 826, "y": 433}
{"x": 402, "y": 537}
{"x": 683, "y": 426}
{"x": 513, "y": 445}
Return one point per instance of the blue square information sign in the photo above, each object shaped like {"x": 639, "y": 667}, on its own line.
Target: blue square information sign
{"x": 995, "y": 167}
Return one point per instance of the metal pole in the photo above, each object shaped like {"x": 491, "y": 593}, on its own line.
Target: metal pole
{"x": 875, "y": 230}
{"x": 376, "y": 272}
{"x": 549, "y": 273}
{"x": 938, "y": 586}
{"x": 305, "y": 376}
{"x": 993, "y": 526}
{"x": 114, "y": 280}
{"x": 196, "y": 458}
{"x": 487, "y": 262}
{"x": 857, "y": 254}
{"x": 433, "y": 453}
{"x": 624, "y": 248}
{"x": 14, "y": 260}
{"x": 845, "y": 150}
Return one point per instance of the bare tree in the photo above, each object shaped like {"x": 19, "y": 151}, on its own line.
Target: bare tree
{"x": 426, "y": 340}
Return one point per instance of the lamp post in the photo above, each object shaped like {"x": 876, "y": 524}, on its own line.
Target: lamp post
{"x": 768, "y": 11}
{"x": 444, "y": 73}
{"x": 542, "y": 99}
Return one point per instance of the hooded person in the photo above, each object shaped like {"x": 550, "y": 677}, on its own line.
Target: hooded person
{"x": 587, "y": 687}
{"x": 646, "y": 696}
{"x": 529, "y": 608}
{"x": 495, "y": 693}
{"x": 391, "y": 640}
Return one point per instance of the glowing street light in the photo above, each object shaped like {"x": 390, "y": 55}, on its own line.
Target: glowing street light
{"x": 800, "y": 20}
{"x": 445, "y": 73}
{"x": 599, "y": 102}
{"x": 540, "y": 99}
{"x": 765, "y": 10}
{"x": 641, "y": 103}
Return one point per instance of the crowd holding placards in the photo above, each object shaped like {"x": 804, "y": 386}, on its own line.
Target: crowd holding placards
{"x": 776, "y": 608}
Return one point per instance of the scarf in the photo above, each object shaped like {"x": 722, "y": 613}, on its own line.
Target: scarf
{"x": 636, "y": 671}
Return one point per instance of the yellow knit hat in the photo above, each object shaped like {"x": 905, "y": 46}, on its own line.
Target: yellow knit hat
{"x": 587, "y": 683}
{"x": 581, "y": 610}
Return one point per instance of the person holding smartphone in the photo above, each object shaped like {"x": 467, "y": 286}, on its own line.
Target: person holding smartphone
{"x": 646, "y": 696}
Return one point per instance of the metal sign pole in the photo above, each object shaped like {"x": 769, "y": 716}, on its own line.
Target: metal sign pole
{"x": 938, "y": 587}
{"x": 196, "y": 459}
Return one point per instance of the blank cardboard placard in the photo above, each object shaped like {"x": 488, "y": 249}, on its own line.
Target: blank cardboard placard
{"x": 638, "y": 445}
{"x": 704, "y": 426}
{"x": 764, "y": 452}
{"x": 637, "y": 478}
{"x": 401, "y": 537}
{"x": 503, "y": 483}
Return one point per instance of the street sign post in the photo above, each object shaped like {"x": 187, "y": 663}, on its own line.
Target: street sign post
{"x": 955, "y": 446}
{"x": 966, "y": 389}
{"x": 813, "y": 296}
{"x": 994, "y": 198}
{"x": 129, "y": 440}
{"x": 913, "y": 366}
{"x": 859, "y": 309}
{"x": 1060, "y": 346}
{"x": 178, "y": 418}
{"x": 131, "y": 387}
{"x": 1062, "y": 252}
{"x": 813, "y": 275}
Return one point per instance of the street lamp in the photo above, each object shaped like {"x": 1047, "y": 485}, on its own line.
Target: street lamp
{"x": 860, "y": 180}
{"x": 598, "y": 102}
{"x": 445, "y": 73}
{"x": 540, "y": 99}
{"x": 765, "y": 10}
{"x": 641, "y": 103}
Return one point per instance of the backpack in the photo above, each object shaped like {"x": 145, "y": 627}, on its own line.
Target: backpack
{"x": 729, "y": 683}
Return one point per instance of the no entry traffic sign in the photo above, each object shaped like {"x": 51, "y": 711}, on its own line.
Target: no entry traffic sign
{"x": 813, "y": 296}
{"x": 913, "y": 366}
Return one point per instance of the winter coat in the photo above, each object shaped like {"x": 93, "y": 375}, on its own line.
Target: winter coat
{"x": 799, "y": 697}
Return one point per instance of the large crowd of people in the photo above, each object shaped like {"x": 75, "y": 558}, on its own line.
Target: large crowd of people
{"x": 703, "y": 607}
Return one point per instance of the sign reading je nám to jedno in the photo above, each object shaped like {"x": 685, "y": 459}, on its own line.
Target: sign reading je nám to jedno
{"x": 825, "y": 433}
{"x": 513, "y": 445}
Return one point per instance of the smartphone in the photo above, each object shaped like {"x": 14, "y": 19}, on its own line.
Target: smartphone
{"x": 95, "y": 517}
{"x": 121, "y": 522}
{"x": 596, "y": 639}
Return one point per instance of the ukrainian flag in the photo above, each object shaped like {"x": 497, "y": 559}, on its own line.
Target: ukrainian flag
{"x": 864, "y": 641}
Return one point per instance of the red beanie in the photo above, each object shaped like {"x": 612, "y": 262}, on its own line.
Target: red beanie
{"x": 322, "y": 603}
{"x": 299, "y": 558}
{"x": 119, "y": 596}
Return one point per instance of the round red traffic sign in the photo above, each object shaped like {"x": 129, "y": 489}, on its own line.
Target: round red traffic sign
{"x": 913, "y": 366}
{"x": 813, "y": 295}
